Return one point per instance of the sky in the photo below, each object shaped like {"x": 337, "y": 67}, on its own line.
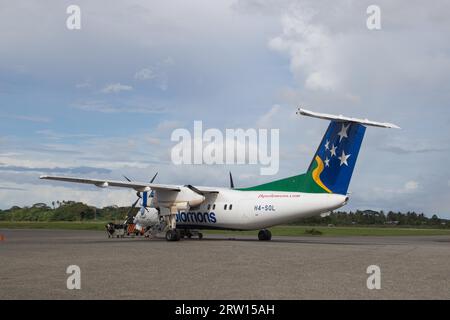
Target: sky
{"x": 102, "y": 101}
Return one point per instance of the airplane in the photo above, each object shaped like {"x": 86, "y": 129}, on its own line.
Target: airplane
{"x": 178, "y": 209}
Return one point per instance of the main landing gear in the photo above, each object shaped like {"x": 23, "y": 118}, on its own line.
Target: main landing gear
{"x": 173, "y": 235}
{"x": 176, "y": 235}
{"x": 264, "y": 235}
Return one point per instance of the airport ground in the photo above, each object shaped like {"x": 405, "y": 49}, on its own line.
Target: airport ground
{"x": 33, "y": 266}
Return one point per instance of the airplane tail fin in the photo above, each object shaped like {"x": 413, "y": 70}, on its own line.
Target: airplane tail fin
{"x": 332, "y": 166}
{"x": 335, "y": 158}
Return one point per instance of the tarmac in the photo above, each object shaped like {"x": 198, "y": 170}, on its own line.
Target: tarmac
{"x": 33, "y": 265}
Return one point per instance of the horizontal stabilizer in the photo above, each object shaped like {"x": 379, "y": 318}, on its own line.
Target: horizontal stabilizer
{"x": 346, "y": 119}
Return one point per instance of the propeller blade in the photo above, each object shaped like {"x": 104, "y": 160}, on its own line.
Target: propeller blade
{"x": 231, "y": 181}
{"x": 126, "y": 178}
{"x": 129, "y": 215}
{"x": 194, "y": 189}
{"x": 153, "y": 179}
{"x": 134, "y": 204}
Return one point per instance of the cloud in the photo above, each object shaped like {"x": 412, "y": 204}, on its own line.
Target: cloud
{"x": 403, "y": 150}
{"x": 12, "y": 188}
{"x": 331, "y": 51}
{"x": 403, "y": 145}
{"x": 74, "y": 170}
{"x": 309, "y": 47}
{"x": 30, "y": 118}
{"x": 411, "y": 185}
{"x": 49, "y": 192}
{"x": 50, "y": 134}
{"x": 267, "y": 119}
{"x": 157, "y": 73}
{"x": 116, "y": 88}
{"x": 145, "y": 74}
{"x": 104, "y": 107}
{"x": 168, "y": 125}
{"x": 84, "y": 84}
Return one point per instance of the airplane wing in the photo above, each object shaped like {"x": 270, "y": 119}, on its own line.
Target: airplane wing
{"x": 138, "y": 186}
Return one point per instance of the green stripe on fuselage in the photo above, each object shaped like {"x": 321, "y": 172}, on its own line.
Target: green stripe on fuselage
{"x": 301, "y": 183}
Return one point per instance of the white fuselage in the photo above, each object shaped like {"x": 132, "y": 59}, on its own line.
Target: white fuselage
{"x": 252, "y": 210}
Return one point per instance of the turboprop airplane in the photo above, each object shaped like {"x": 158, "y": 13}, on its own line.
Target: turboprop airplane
{"x": 177, "y": 209}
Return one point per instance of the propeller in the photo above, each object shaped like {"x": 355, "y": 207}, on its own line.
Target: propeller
{"x": 153, "y": 179}
{"x": 130, "y": 216}
{"x": 231, "y": 181}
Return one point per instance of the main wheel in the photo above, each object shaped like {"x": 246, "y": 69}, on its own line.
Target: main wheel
{"x": 200, "y": 236}
{"x": 264, "y": 235}
{"x": 173, "y": 235}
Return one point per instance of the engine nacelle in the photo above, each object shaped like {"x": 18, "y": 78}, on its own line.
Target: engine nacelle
{"x": 183, "y": 198}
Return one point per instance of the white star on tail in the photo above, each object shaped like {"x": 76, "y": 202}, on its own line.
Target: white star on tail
{"x": 327, "y": 145}
{"x": 333, "y": 150}
{"x": 327, "y": 162}
{"x": 343, "y": 133}
{"x": 344, "y": 158}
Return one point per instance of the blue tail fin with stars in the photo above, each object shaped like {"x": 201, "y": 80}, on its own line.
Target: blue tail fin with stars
{"x": 335, "y": 159}
{"x": 332, "y": 167}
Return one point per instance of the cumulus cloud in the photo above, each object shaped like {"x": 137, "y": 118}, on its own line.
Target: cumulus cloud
{"x": 411, "y": 185}
{"x": 74, "y": 170}
{"x": 83, "y": 84}
{"x": 267, "y": 119}
{"x": 31, "y": 118}
{"x": 116, "y": 88}
{"x": 309, "y": 47}
{"x": 105, "y": 107}
{"x": 145, "y": 74}
{"x": 157, "y": 73}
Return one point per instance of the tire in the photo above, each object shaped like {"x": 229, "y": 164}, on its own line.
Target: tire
{"x": 264, "y": 235}
{"x": 200, "y": 236}
{"x": 173, "y": 235}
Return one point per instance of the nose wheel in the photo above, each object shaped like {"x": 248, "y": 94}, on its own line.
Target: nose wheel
{"x": 264, "y": 235}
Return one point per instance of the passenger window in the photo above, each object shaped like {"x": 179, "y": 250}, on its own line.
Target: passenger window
{"x": 214, "y": 206}
{"x": 225, "y": 207}
{"x": 209, "y": 206}
{"x": 231, "y": 206}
